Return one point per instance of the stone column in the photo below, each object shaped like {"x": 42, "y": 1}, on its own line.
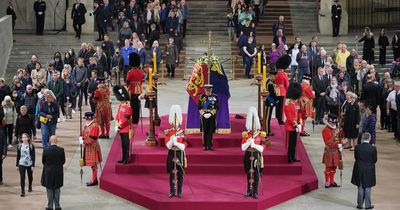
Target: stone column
{"x": 325, "y": 21}
{"x": 88, "y": 27}
{"x": 6, "y": 42}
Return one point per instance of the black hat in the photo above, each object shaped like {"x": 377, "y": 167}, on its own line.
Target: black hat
{"x": 294, "y": 91}
{"x": 101, "y": 80}
{"x": 332, "y": 118}
{"x": 121, "y": 93}
{"x": 283, "y": 62}
{"x": 134, "y": 60}
{"x": 89, "y": 115}
{"x": 307, "y": 77}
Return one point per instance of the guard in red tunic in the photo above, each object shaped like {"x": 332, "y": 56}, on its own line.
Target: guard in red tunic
{"x": 134, "y": 79}
{"x": 123, "y": 121}
{"x": 254, "y": 142}
{"x": 293, "y": 119}
{"x": 103, "y": 110}
{"x": 176, "y": 144}
{"x": 333, "y": 148}
{"x": 92, "y": 152}
{"x": 306, "y": 101}
{"x": 281, "y": 84}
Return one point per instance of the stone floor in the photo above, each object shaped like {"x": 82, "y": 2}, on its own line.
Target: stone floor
{"x": 76, "y": 196}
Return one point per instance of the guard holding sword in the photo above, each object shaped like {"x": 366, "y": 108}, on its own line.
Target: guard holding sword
{"x": 176, "y": 144}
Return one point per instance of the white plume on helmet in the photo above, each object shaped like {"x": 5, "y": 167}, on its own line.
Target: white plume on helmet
{"x": 175, "y": 116}
{"x": 249, "y": 119}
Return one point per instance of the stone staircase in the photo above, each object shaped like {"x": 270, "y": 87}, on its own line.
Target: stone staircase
{"x": 264, "y": 36}
{"x": 330, "y": 44}
{"x": 45, "y": 46}
{"x": 205, "y": 16}
{"x": 304, "y": 16}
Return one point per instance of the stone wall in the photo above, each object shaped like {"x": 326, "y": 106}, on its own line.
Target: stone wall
{"x": 325, "y": 21}
{"x": 26, "y": 16}
{"x": 6, "y": 42}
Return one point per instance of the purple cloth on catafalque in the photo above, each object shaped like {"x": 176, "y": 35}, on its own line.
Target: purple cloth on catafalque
{"x": 221, "y": 89}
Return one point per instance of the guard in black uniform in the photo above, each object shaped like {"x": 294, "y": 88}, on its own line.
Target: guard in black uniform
{"x": 336, "y": 16}
{"x": 270, "y": 100}
{"x": 10, "y": 11}
{"x": 208, "y": 106}
{"x": 40, "y": 8}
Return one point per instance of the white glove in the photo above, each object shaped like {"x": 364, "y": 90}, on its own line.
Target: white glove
{"x": 174, "y": 140}
{"x": 116, "y": 129}
{"x": 252, "y": 145}
{"x": 80, "y": 140}
{"x": 298, "y": 128}
{"x": 207, "y": 115}
{"x": 340, "y": 147}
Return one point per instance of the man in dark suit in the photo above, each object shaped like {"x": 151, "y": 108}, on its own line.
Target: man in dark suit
{"x": 319, "y": 85}
{"x": 364, "y": 171}
{"x": 320, "y": 60}
{"x": 101, "y": 20}
{"x": 3, "y": 147}
{"x": 314, "y": 54}
{"x": 40, "y": 8}
{"x": 78, "y": 17}
{"x": 336, "y": 11}
{"x": 370, "y": 93}
{"x": 53, "y": 159}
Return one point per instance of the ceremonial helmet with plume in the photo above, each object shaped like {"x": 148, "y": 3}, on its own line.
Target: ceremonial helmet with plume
{"x": 175, "y": 116}
{"x": 252, "y": 120}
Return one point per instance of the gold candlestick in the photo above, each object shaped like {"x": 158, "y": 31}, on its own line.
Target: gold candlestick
{"x": 258, "y": 83}
{"x": 157, "y": 120}
{"x": 151, "y": 139}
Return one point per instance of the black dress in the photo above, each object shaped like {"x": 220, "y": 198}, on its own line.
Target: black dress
{"x": 383, "y": 41}
{"x": 351, "y": 119}
{"x": 368, "y": 48}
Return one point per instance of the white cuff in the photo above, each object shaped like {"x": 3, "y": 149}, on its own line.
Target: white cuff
{"x": 259, "y": 148}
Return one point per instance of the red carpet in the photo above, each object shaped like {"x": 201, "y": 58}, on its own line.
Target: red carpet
{"x": 214, "y": 178}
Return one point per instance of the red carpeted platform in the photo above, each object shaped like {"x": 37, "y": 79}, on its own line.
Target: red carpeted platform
{"x": 214, "y": 178}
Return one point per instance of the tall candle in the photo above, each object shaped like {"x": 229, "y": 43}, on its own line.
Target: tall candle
{"x": 259, "y": 63}
{"x": 155, "y": 62}
{"x": 264, "y": 79}
{"x": 150, "y": 79}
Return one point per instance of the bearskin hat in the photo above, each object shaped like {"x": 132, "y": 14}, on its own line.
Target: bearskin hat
{"x": 134, "y": 60}
{"x": 121, "y": 93}
{"x": 283, "y": 62}
{"x": 294, "y": 91}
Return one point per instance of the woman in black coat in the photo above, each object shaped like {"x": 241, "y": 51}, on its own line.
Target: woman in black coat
{"x": 369, "y": 45}
{"x": 351, "y": 116}
{"x": 383, "y": 41}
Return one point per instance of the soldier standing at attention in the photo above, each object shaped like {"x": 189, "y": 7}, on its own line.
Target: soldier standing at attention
{"x": 176, "y": 144}
{"x": 40, "y": 8}
{"x": 208, "y": 106}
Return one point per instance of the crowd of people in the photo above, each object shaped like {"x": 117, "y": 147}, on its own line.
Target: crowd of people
{"x": 343, "y": 83}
